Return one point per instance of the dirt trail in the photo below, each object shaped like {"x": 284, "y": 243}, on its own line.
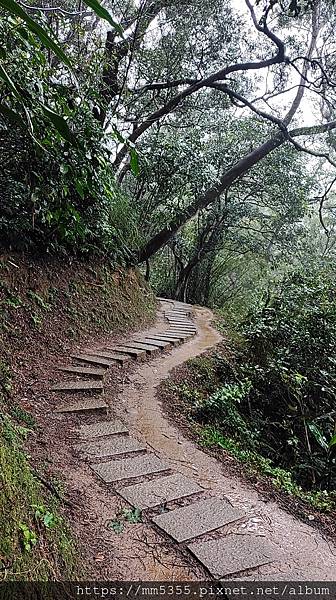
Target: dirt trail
{"x": 142, "y": 551}
{"x": 305, "y": 553}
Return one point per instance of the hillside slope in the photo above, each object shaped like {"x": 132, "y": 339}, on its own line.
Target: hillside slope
{"x": 47, "y": 308}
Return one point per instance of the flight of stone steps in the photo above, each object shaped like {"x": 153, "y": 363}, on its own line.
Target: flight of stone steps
{"x": 147, "y": 481}
{"x": 93, "y": 364}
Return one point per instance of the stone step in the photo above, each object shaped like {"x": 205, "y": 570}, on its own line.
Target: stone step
{"x": 196, "y": 519}
{"x": 159, "y": 491}
{"x": 150, "y": 349}
{"x": 134, "y": 352}
{"x": 83, "y": 371}
{"x": 182, "y": 326}
{"x": 179, "y": 322}
{"x": 111, "y": 447}
{"x": 178, "y": 319}
{"x": 115, "y": 356}
{"x": 94, "y": 360}
{"x": 181, "y": 335}
{"x": 171, "y": 339}
{"x": 102, "y": 428}
{"x": 78, "y": 386}
{"x": 154, "y": 342}
{"x": 129, "y": 468}
{"x": 233, "y": 554}
{"x": 84, "y": 404}
{"x": 182, "y": 305}
{"x": 182, "y": 329}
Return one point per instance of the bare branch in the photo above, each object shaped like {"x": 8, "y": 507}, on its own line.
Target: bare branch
{"x": 83, "y": 13}
{"x": 299, "y": 95}
{"x": 278, "y": 58}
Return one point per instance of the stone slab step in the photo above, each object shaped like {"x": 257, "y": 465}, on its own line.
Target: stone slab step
{"x": 134, "y": 352}
{"x": 183, "y": 323}
{"x": 159, "y": 491}
{"x": 233, "y": 554}
{"x": 176, "y": 318}
{"x": 183, "y": 327}
{"x": 150, "y": 349}
{"x": 94, "y": 360}
{"x": 127, "y": 468}
{"x": 182, "y": 305}
{"x": 78, "y": 386}
{"x": 116, "y": 356}
{"x": 179, "y": 320}
{"x": 102, "y": 428}
{"x": 172, "y": 318}
{"x": 83, "y": 371}
{"x": 154, "y": 342}
{"x": 196, "y": 519}
{"x": 111, "y": 446}
{"x": 171, "y": 339}
{"x": 85, "y": 404}
{"x": 182, "y": 337}
{"x": 183, "y": 330}
{"x": 176, "y": 335}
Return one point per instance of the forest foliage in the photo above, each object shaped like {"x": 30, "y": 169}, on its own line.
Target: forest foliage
{"x": 269, "y": 397}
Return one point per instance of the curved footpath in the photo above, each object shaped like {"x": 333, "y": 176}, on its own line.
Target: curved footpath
{"x": 196, "y": 521}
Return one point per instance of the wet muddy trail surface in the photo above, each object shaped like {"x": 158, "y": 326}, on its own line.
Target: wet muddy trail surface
{"x": 119, "y": 543}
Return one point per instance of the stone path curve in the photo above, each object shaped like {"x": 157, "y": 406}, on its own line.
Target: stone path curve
{"x": 118, "y": 459}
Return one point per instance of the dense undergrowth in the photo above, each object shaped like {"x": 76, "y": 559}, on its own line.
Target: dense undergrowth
{"x": 269, "y": 397}
{"x": 44, "y": 304}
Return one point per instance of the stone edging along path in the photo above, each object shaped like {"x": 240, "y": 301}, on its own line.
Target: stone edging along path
{"x": 199, "y": 527}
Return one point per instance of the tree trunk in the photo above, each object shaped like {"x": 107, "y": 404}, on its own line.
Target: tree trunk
{"x": 212, "y": 194}
{"x": 182, "y": 282}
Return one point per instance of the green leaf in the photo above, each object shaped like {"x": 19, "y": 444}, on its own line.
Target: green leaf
{"x": 80, "y": 188}
{"x": 49, "y": 520}
{"x": 134, "y": 163}
{"x": 117, "y": 526}
{"x": 4, "y": 75}
{"x": 133, "y": 516}
{"x": 332, "y": 443}
{"x": 12, "y": 7}
{"x": 60, "y": 124}
{"x": 332, "y": 448}
{"x": 103, "y": 14}
{"x": 318, "y": 435}
{"x": 11, "y": 115}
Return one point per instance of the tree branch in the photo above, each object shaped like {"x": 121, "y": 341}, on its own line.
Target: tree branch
{"x": 228, "y": 178}
{"x": 279, "y": 57}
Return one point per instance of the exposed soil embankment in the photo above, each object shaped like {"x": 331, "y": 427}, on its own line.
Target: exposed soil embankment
{"x": 48, "y": 309}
